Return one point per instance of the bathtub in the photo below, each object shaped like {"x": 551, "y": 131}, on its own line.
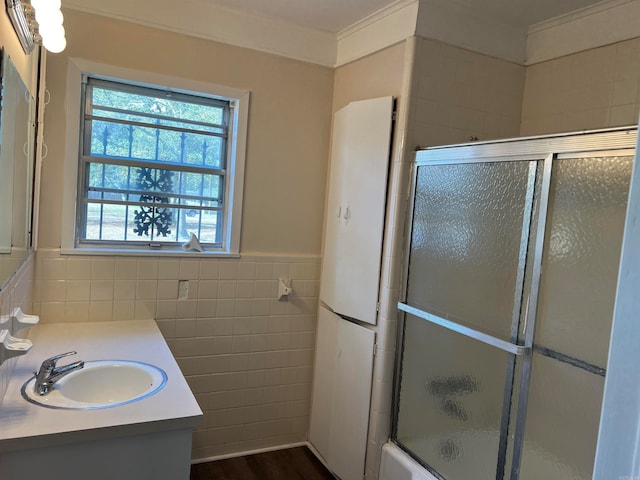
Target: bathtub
{"x": 397, "y": 465}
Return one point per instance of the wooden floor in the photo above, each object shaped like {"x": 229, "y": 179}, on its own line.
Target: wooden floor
{"x": 290, "y": 464}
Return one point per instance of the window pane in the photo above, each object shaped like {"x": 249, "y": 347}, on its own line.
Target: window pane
{"x": 202, "y": 150}
{"x": 106, "y": 222}
{"x": 95, "y": 178}
{"x": 93, "y": 227}
{"x": 209, "y": 223}
{"x": 197, "y": 184}
{"x": 152, "y": 223}
{"x": 183, "y": 188}
{"x": 201, "y": 223}
{"x": 147, "y": 143}
{"x": 110, "y": 139}
{"x": 156, "y": 105}
{"x": 126, "y": 118}
{"x": 113, "y": 177}
{"x": 132, "y": 201}
{"x": 156, "y": 185}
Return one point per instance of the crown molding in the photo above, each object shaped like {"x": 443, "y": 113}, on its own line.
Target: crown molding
{"x": 578, "y": 14}
{"x": 386, "y": 27}
{"x": 375, "y": 17}
{"x": 379, "y": 30}
{"x": 604, "y": 23}
{"x": 198, "y": 18}
{"x": 448, "y": 21}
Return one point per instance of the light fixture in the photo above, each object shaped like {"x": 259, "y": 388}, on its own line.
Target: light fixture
{"x": 38, "y": 22}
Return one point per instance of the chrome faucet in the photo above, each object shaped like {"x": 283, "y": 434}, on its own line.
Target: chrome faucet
{"x": 49, "y": 374}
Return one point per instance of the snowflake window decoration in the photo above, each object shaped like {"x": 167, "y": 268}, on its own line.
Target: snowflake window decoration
{"x": 158, "y": 219}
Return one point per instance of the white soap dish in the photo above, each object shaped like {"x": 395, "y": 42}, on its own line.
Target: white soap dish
{"x": 11, "y": 346}
{"x": 18, "y": 321}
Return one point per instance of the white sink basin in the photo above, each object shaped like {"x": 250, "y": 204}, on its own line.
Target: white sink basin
{"x": 100, "y": 384}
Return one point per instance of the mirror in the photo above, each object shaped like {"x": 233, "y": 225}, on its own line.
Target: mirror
{"x": 17, "y": 139}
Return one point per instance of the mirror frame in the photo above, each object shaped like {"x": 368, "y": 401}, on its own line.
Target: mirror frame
{"x": 21, "y": 16}
{"x": 30, "y": 188}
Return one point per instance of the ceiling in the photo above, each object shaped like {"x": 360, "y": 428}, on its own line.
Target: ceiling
{"x": 336, "y": 15}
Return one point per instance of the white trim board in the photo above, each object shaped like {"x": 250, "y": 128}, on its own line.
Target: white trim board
{"x": 378, "y": 31}
{"x": 607, "y": 22}
{"x": 437, "y": 19}
{"x": 375, "y": 32}
{"x": 202, "y": 19}
{"x": 604, "y": 23}
{"x": 245, "y": 453}
{"x": 389, "y": 26}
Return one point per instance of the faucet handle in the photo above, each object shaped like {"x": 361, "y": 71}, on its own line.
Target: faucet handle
{"x": 51, "y": 362}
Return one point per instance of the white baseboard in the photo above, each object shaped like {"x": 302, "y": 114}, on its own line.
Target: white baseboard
{"x": 317, "y": 455}
{"x": 251, "y": 452}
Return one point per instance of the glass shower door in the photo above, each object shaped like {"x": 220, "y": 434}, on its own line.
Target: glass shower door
{"x": 585, "y": 222}
{"x": 466, "y": 272}
{"x": 510, "y": 284}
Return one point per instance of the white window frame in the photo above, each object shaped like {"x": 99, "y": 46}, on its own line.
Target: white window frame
{"x": 236, "y": 145}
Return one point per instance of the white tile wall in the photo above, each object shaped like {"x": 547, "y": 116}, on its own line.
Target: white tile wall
{"x": 450, "y": 94}
{"x": 596, "y": 88}
{"x": 10, "y": 262}
{"x": 455, "y": 94}
{"x": 459, "y": 94}
{"x": 246, "y": 355}
{"x": 17, "y": 293}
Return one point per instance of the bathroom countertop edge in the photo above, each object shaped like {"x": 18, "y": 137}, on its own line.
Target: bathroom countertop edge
{"x": 26, "y": 426}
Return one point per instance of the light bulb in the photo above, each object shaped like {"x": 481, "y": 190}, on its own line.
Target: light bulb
{"x": 49, "y": 30}
{"x": 46, "y": 4}
{"x": 55, "y": 44}
{"x": 49, "y": 17}
{"x": 39, "y": 4}
{"x": 50, "y": 24}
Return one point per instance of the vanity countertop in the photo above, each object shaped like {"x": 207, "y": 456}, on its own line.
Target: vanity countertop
{"x": 24, "y": 425}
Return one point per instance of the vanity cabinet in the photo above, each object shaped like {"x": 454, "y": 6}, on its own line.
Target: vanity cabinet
{"x": 151, "y": 456}
{"x": 149, "y": 439}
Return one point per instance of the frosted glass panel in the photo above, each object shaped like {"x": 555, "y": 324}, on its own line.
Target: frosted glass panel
{"x": 466, "y": 251}
{"x": 562, "y": 421}
{"x": 451, "y": 396}
{"x": 588, "y": 201}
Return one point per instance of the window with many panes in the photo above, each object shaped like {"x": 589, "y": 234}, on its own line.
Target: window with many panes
{"x": 154, "y": 167}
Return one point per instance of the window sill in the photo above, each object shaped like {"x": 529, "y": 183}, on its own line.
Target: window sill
{"x": 129, "y": 252}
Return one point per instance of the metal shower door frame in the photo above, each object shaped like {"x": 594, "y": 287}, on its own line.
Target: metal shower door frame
{"x": 544, "y": 149}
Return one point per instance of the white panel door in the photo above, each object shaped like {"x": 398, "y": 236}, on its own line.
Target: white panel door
{"x": 341, "y": 394}
{"x": 356, "y": 208}
{"x": 333, "y": 215}
{"x": 324, "y": 367}
{"x": 351, "y": 400}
